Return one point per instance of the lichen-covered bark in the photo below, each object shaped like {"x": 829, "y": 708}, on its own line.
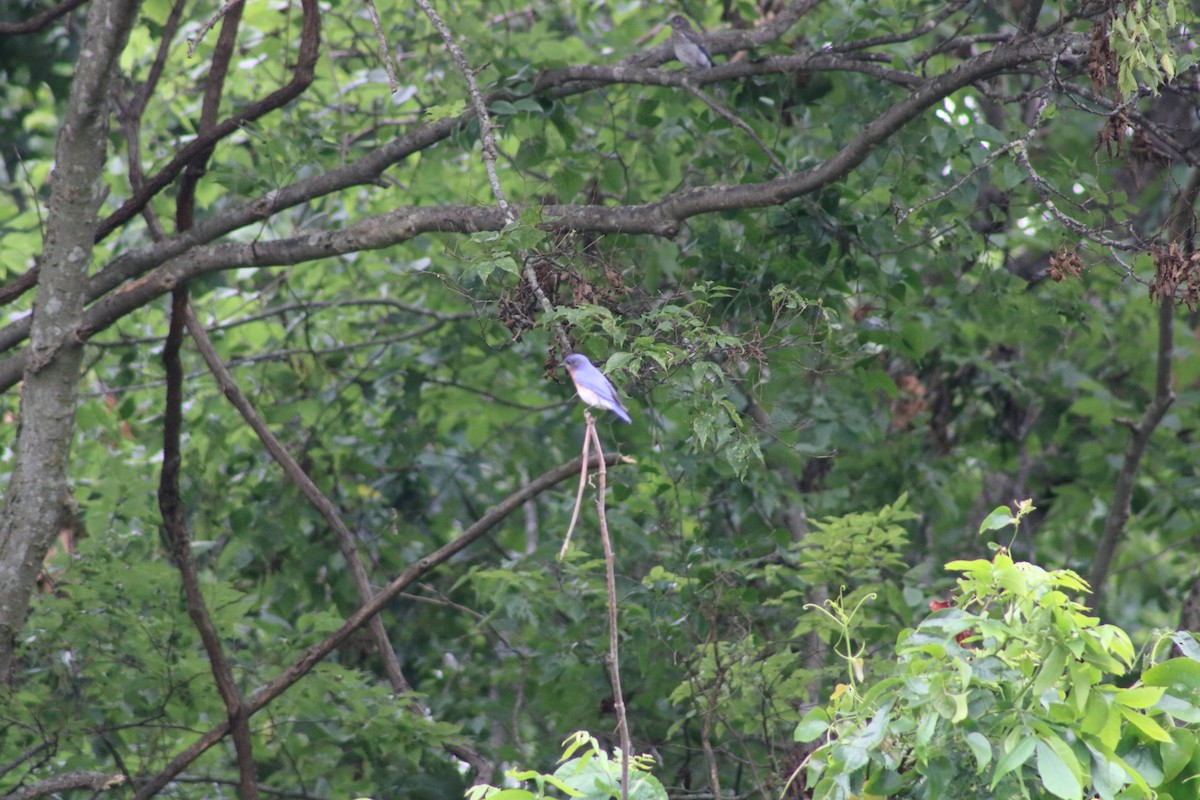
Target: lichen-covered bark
{"x": 34, "y": 500}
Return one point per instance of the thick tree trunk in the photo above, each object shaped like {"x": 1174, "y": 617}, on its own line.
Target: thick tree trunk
{"x": 34, "y": 501}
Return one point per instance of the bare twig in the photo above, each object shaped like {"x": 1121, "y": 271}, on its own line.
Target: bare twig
{"x": 194, "y": 41}
{"x": 302, "y": 76}
{"x": 317, "y": 652}
{"x": 1046, "y": 191}
{"x": 583, "y": 465}
{"x": 40, "y": 21}
{"x": 486, "y": 135}
{"x": 21, "y": 758}
{"x": 175, "y": 524}
{"x": 928, "y": 25}
{"x": 169, "y": 498}
{"x": 590, "y": 438}
{"x": 734, "y": 119}
{"x": 1181, "y": 227}
{"x": 610, "y": 580}
{"x": 385, "y": 52}
{"x": 1023, "y": 143}
{"x": 325, "y": 507}
{"x": 144, "y": 92}
{"x": 491, "y": 153}
{"x": 710, "y": 756}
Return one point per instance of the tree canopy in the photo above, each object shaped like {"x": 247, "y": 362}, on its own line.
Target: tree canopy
{"x": 291, "y": 453}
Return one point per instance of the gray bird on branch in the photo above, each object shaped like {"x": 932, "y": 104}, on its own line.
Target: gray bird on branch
{"x": 689, "y": 47}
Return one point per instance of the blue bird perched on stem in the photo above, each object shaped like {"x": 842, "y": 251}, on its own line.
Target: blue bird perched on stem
{"x": 591, "y": 385}
{"x": 689, "y": 47}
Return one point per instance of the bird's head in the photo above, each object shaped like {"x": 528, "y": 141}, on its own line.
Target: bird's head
{"x": 575, "y": 361}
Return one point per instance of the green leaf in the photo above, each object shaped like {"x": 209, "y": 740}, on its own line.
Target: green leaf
{"x": 1107, "y": 756}
{"x": 883, "y": 784}
{"x": 1082, "y": 678}
{"x": 876, "y": 380}
{"x": 1059, "y": 770}
{"x": 1013, "y": 758}
{"x": 1139, "y": 697}
{"x": 975, "y": 567}
{"x": 1001, "y": 517}
{"x": 1098, "y": 410}
{"x": 1177, "y": 672}
{"x": 446, "y": 110}
{"x": 814, "y": 724}
{"x": 981, "y": 748}
{"x": 529, "y": 105}
{"x": 1177, "y": 754}
{"x": 926, "y": 728}
{"x": 917, "y": 338}
{"x": 1145, "y": 725}
{"x": 1051, "y": 671}
{"x": 960, "y": 707}
{"x": 853, "y": 758}
{"x": 1102, "y": 720}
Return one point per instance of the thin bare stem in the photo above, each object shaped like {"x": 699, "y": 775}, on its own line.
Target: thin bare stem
{"x": 385, "y": 52}
{"x": 486, "y": 135}
{"x": 583, "y": 465}
{"x": 314, "y": 654}
{"x": 737, "y": 121}
{"x": 342, "y": 534}
{"x": 610, "y": 578}
{"x": 1046, "y": 191}
{"x": 710, "y": 756}
{"x": 39, "y": 21}
{"x": 491, "y": 152}
{"x": 903, "y": 214}
{"x": 193, "y": 41}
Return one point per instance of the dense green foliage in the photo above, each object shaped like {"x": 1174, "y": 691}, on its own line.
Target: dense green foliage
{"x": 831, "y": 387}
{"x": 1010, "y": 694}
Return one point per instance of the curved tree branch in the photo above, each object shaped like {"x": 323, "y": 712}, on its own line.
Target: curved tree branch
{"x": 341, "y": 532}
{"x": 1181, "y": 227}
{"x": 40, "y": 21}
{"x": 81, "y": 779}
{"x": 658, "y": 219}
{"x": 315, "y": 654}
{"x": 557, "y": 83}
{"x": 302, "y": 76}
{"x": 169, "y": 497}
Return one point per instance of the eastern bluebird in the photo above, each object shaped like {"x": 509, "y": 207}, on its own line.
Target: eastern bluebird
{"x": 591, "y": 385}
{"x": 689, "y": 47}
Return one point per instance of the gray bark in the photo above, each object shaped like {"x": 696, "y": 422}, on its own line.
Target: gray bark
{"x": 34, "y": 501}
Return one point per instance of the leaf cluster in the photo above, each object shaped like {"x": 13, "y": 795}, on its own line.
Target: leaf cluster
{"x": 1011, "y": 690}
